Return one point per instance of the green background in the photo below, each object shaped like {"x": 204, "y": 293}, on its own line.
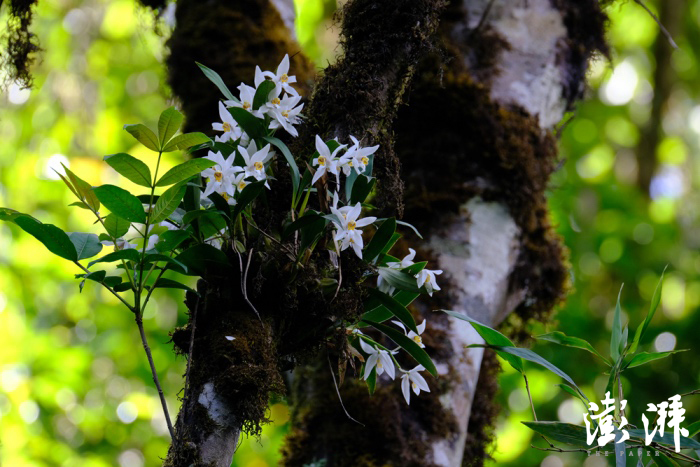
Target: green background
{"x": 75, "y": 388}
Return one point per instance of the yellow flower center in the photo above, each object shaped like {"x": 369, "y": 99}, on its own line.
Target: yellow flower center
{"x": 241, "y": 185}
{"x": 365, "y": 160}
{"x": 413, "y": 385}
{"x": 322, "y": 161}
{"x": 227, "y": 127}
{"x": 284, "y": 78}
{"x": 350, "y": 164}
{"x": 258, "y": 165}
{"x": 275, "y": 101}
{"x": 285, "y": 114}
{"x": 379, "y": 365}
{"x": 417, "y": 339}
{"x": 246, "y": 105}
{"x": 427, "y": 278}
{"x": 225, "y": 196}
{"x": 218, "y": 176}
{"x": 351, "y": 225}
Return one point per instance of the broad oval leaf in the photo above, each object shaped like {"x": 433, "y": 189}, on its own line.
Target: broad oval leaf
{"x": 184, "y": 171}
{"x": 128, "y": 254}
{"x": 167, "y": 203}
{"x": 86, "y": 245}
{"x": 413, "y": 349}
{"x": 121, "y": 203}
{"x": 203, "y": 260}
{"x": 361, "y": 189}
{"x": 186, "y": 141}
{"x": 131, "y": 168}
{"x": 171, "y": 239}
{"x": 252, "y": 125}
{"x": 164, "y": 283}
{"x": 53, "y": 238}
{"x": 144, "y": 135}
{"x": 116, "y": 226}
{"x": 168, "y": 124}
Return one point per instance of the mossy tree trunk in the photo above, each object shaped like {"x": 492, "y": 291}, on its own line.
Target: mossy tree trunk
{"x": 463, "y": 98}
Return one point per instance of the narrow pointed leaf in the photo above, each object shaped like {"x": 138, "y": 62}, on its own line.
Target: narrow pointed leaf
{"x": 399, "y": 279}
{"x": 662, "y": 460}
{"x": 655, "y": 299}
{"x": 121, "y": 203}
{"x": 413, "y": 349}
{"x": 693, "y": 429}
{"x": 667, "y": 439}
{"x": 249, "y": 193}
{"x": 262, "y": 93}
{"x": 645, "y": 357}
{"x": 567, "y": 433}
{"x": 379, "y": 240}
{"x": 84, "y": 190}
{"x": 173, "y": 264}
{"x": 410, "y": 226}
{"x": 131, "y": 168}
{"x": 296, "y": 178}
{"x": 86, "y": 245}
{"x": 216, "y": 79}
{"x": 186, "y": 141}
{"x": 164, "y": 283}
{"x": 395, "y": 308}
{"x": 570, "y": 341}
{"x": 361, "y": 189}
{"x": 168, "y": 124}
{"x": 144, "y": 135}
{"x": 252, "y": 125}
{"x": 616, "y": 340}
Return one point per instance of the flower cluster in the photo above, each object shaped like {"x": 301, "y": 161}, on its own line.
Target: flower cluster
{"x": 425, "y": 278}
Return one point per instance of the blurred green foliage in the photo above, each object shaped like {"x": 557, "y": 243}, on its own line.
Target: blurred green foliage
{"x": 75, "y": 388}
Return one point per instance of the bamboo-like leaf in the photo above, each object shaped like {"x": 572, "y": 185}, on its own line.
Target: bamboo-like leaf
{"x": 646, "y": 357}
{"x": 216, "y": 79}
{"x": 655, "y": 299}
{"x": 296, "y": 178}
{"x": 616, "y": 343}
{"x": 567, "y": 433}
{"x": 571, "y": 341}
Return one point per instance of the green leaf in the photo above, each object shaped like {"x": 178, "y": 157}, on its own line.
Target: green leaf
{"x": 164, "y": 283}
{"x": 567, "y": 433}
{"x": 693, "y": 429}
{"x": 249, "y": 193}
{"x": 645, "y": 357}
{"x": 570, "y": 341}
{"x": 262, "y": 93}
{"x": 168, "y": 124}
{"x": 170, "y": 240}
{"x": 167, "y": 203}
{"x": 252, "y": 125}
{"x": 410, "y": 226}
{"x": 415, "y": 268}
{"x": 68, "y": 184}
{"x": 81, "y": 205}
{"x": 361, "y": 189}
{"x": 86, "y": 245}
{"x": 216, "y": 79}
{"x": 307, "y": 219}
{"x": 97, "y": 276}
{"x": 131, "y": 168}
{"x": 128, "y": 255}
{"x": 491, "y": 337}
{"x": 184, "y": 171}
{"x": 379, "y": 240}
{"x": 186, "y": 141}
{"x": 121, "y": 203}
{"x": 399, "y": 279}
{"x": 203, "y": 260}
{"x": 383, "y": 254}
{"x": 662, "y": 460}
{"x": 112, "y": 281}
{"x": 371, "y": 380}
{"x": 159, "y": 258}
{"x": 144, "y": 135}
{"x": 667, "y": 439}
{"x": 311, "y": 233}
{"x": 616, "y": 343}
{"x": 84, "y": 190}
{"x": 395, "y": 308}
{"x": 655, "y": 299}
{"x": 296, "y": 178}
{"x": 116, "y": 226}
{"x": 53, "y": 238}
{"x": 573, "y": 392}
{"x": 413, "y": 349}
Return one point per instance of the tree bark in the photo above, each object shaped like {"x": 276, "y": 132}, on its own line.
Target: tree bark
{"x": 485, "y": 81}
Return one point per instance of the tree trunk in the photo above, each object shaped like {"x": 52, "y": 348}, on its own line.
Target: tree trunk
{"x": 466, "y": 160}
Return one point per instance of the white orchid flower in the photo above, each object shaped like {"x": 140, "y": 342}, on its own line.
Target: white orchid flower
{"x": 282, "y": 77}
{"x": 255, "y": 161}
{"x": 121, "y": 244}
{"x": 407, "y": 261}
{"x": 219, "y": 175}
{"x": 246, "y": 97}
{"x": 287, "y": 115}
{"x": 228, "y": 125}
{"x": 412, "y": 379}
{"x": 427, "y": 278}
{"x": 356, "y": 157}
{"x": 412, "y": 335}
{"x": 239, "y": 180}
{"x": 347, "y": 231}
{"x": 379, "y": 358}
{"x": 325, "y": 161}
